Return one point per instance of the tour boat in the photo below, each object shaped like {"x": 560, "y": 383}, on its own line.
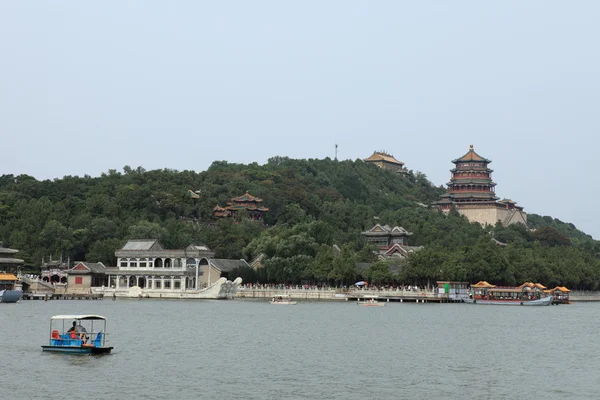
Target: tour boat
{"x": 370, "y": 302}
{"x": 528, "y": 294}
{"x": 86, "y": 335}
{"x": 283, "y": 299}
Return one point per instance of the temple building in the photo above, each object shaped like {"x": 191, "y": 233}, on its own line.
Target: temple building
{"x": 385, "y": 161}
{"x": 391, "y": 242}
{"x": 472, "y": 193}
{"x": 54, "y": 271}
{"x": 252, "y": 205}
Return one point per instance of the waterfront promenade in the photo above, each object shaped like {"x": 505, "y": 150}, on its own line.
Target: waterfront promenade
{"x": 395, "y": 294}
{"x": 342, "y": 294}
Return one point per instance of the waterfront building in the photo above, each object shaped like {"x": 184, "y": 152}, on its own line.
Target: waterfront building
{"x": 253, "y": 206}
{"x": 54, "y": 271}
{"x": 8, "y": 262}
{"x": 391, "y": 242}
{"x": 472, "y": 193}
{"x": 146, "y": 264}
{"x": 84, "y": 276}
{"x": 385, "y": 161}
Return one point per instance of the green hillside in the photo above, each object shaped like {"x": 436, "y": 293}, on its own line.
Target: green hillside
{"x": 313, "y": 205}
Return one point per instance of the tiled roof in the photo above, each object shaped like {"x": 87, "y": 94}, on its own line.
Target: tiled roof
{"x": 6, "y": 250}
{"x": 227, "y": 265}
{"x": 381, "y": 230}
{"x": 383, "y": 156}
{"x": 246, "y": 197}
{"x": 87, "y": 267}
{"x": 471, "y": 156}
{"x": 7, "y": 277}
{"x": 141, "y": 244}
{"x": 11, "y": 261}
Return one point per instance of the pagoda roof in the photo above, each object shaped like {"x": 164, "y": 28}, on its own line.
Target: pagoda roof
{"x": 471, "y": 156}
{"x": 247, "y": 197}
{"x": 488, "y": 195}
{"x": 11, "y": 261}
{"x": 383, "y": 156}
{"x": 386, "y": 230}
{"x": 6, "y": 250}
{"x": 462, "y": 181}
{"x": 241, "y": 207}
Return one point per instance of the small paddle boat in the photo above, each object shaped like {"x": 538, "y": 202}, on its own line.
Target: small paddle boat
{"x": 370, "y": 302}
{"x": 283, "y": 299}
{"x": 85, "y": 335}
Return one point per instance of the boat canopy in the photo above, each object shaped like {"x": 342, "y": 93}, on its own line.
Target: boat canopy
{"x": 482, "y": 284}
{"x": 505, "y": 290}
{"x": 78, "y": 317}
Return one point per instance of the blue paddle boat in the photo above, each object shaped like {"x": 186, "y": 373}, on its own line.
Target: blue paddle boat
{"x": 78, "y": 334}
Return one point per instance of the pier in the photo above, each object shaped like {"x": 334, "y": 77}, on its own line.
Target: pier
{"x": 61, "y": 296}
{"x": 399, "y": 296}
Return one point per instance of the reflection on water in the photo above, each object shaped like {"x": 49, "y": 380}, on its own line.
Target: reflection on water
{"x": 314, "y": 350}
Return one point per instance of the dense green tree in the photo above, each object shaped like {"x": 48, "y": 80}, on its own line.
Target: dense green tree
{"x": 314, "y": 205}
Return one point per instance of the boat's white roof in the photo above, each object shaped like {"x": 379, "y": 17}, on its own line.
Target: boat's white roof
{"x": 84, "y": 316}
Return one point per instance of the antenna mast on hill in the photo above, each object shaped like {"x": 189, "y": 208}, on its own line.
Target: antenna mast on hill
{"x": 336, "y": 146}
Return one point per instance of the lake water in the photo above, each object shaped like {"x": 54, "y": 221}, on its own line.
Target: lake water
{"x": 247, "y": 349}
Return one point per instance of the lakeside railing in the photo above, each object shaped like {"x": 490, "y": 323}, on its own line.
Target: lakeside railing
{"x": 332, "y": 292}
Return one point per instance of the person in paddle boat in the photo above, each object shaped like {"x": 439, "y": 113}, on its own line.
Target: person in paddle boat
{"x": 78, "y": 331}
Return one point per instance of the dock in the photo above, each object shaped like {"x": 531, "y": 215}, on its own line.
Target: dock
{"x": 398, "y": 296}
{"x": 61, "y": 296}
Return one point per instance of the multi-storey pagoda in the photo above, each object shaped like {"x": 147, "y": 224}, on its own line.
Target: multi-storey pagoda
{"x": 472, "y": 192}
{"x": 385, "y": 161}
{"x": 253, "y": 205}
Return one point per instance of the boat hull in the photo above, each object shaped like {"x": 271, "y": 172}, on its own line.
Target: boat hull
{"x": 370, "y": 304}
{"x": 77, "y": 349}
{"x": 546, "y": 301}
{"x": 289, "y": 303}
{"x": 10, "y": 296}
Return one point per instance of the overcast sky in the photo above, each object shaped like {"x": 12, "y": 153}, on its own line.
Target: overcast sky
{"x": 90, "y": 86}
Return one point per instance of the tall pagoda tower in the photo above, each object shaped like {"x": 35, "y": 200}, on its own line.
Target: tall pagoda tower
{"x": 472, "y": 193}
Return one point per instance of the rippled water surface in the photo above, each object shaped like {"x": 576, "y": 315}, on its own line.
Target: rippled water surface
{"x": 246, "y": 349}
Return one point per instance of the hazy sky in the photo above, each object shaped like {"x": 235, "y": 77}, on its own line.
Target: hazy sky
{"x": 91, "y": 86}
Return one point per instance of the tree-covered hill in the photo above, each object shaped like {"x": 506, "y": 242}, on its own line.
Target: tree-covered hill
{"x": 314, "y": 204}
